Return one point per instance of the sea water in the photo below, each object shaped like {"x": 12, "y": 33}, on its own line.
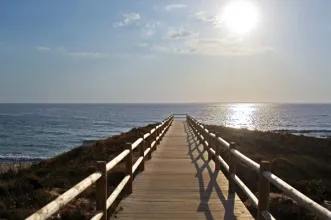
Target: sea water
{"x": 38, "y": 131}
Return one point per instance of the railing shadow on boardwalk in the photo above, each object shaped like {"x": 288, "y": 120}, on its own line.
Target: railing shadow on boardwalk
{"x": 205, "y": 193}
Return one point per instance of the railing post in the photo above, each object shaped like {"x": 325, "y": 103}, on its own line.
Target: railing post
{"x": 264, "y": 190}
{"x": 101, "y": 189}
{"x": 128, "y": 168}
{"x": 210, "y": 156}
{"x": 141, "y": 153}
{"x": 161, "y": 131}
{"x": 217, "y": 151}
{"x": 148, "y": 142}
{"x": 200, "y": 132}
{"x": 166, "y": 126}
{"x": 232, "y": 168}
{"x": 154, "y": 139}
{"x": 158, "y": 134}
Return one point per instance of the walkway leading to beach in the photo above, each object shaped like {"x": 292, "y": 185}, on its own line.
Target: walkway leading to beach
{"x": 181, "y": 183}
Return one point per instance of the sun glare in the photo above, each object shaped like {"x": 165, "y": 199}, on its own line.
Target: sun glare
{"x": 241, "y": 115}
{"x": 240, "y": 16}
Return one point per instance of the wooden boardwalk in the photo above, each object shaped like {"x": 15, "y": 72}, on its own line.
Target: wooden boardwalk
{"x": 180, "y": 183}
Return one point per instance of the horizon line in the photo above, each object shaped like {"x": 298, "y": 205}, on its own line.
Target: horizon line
{"x": 96, "y": 103}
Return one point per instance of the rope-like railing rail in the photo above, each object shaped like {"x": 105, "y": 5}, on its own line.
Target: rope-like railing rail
{"x": 213, "y": 142}
{"x": 146, "y": 144}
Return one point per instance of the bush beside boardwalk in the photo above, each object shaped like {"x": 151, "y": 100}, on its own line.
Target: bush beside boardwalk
{"x": 25, "y": 191}
{"x": 303, "y": 162}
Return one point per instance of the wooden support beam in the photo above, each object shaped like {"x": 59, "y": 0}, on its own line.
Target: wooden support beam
{"x": 141, "y": 153}
{"x": 128, "y": 168}
{"x": 217, "y": 151}
{"x": 208, "y": 137}
{"x": 232, "y": 168}
{"x": 148, "y": 143}
{"x": 264, "y": 190}
{"x": 101, "y": 189}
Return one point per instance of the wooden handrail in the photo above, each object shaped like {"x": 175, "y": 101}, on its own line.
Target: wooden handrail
{"x": 265, "y": 176}
{"x": 148, "y": 140}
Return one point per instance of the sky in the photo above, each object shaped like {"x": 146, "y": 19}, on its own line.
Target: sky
{"x": 84, "y": 51}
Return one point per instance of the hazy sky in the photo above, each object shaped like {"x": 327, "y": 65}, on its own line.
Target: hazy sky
{"x": 163, "y": 51}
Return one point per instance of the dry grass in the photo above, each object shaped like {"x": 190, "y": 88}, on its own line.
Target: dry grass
{"x": 14, "y": 166}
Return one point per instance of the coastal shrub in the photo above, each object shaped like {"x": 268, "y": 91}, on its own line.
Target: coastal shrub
{"x": 4, "y": 191}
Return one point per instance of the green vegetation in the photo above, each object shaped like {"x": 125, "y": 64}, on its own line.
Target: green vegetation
{"x": 303, "y": 162}
{"x": 26, "y": 190}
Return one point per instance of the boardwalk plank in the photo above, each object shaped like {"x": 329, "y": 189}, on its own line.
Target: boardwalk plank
{"x": 180, "y": 183}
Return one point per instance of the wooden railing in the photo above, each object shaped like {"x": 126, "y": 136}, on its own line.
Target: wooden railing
{"x": 213, "y": 142}
{"x": 146, "y": 144}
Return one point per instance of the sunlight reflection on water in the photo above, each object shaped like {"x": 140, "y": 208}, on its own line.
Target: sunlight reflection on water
{"x": 241, "y": 116}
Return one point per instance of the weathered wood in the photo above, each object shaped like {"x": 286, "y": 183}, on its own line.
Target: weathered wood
{"x": 264, "y": 190}
{"x": 148, "y": 145}
{"x": 232, "y": 168}
{"x": 137, "y": 164}
{"x": 141, "y": 153}
{"x": 217, "y": 151}
{"x": 117, "y": 159}
{"x": 161, "y": 130}
{"x": 201, "y": 132}
{"x": 180, "y": 183}
{"x": 52, "y": 207}
{"x": 245, "y": 190}
{"x": 101, "y": 189}
{"x": 147, "y": 152}
{"x": 155, "y": 137}
{"x": 65, "y": 198}
{"x": 209, "y": 138}
{"x": 128, "y": 168}
{"x": 302, "y": 200}
{"x": 136, "y": 143}
{"x": 158, "y": 129}
{"x": 117, "y": 191}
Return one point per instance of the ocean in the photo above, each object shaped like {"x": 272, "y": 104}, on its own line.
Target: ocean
{"x": 39, "y": 131}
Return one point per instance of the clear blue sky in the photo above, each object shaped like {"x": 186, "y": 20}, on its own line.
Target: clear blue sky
{"x": 163, "y": 51}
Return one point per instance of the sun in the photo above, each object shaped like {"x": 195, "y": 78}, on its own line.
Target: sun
{"x": 240, "y": 16}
